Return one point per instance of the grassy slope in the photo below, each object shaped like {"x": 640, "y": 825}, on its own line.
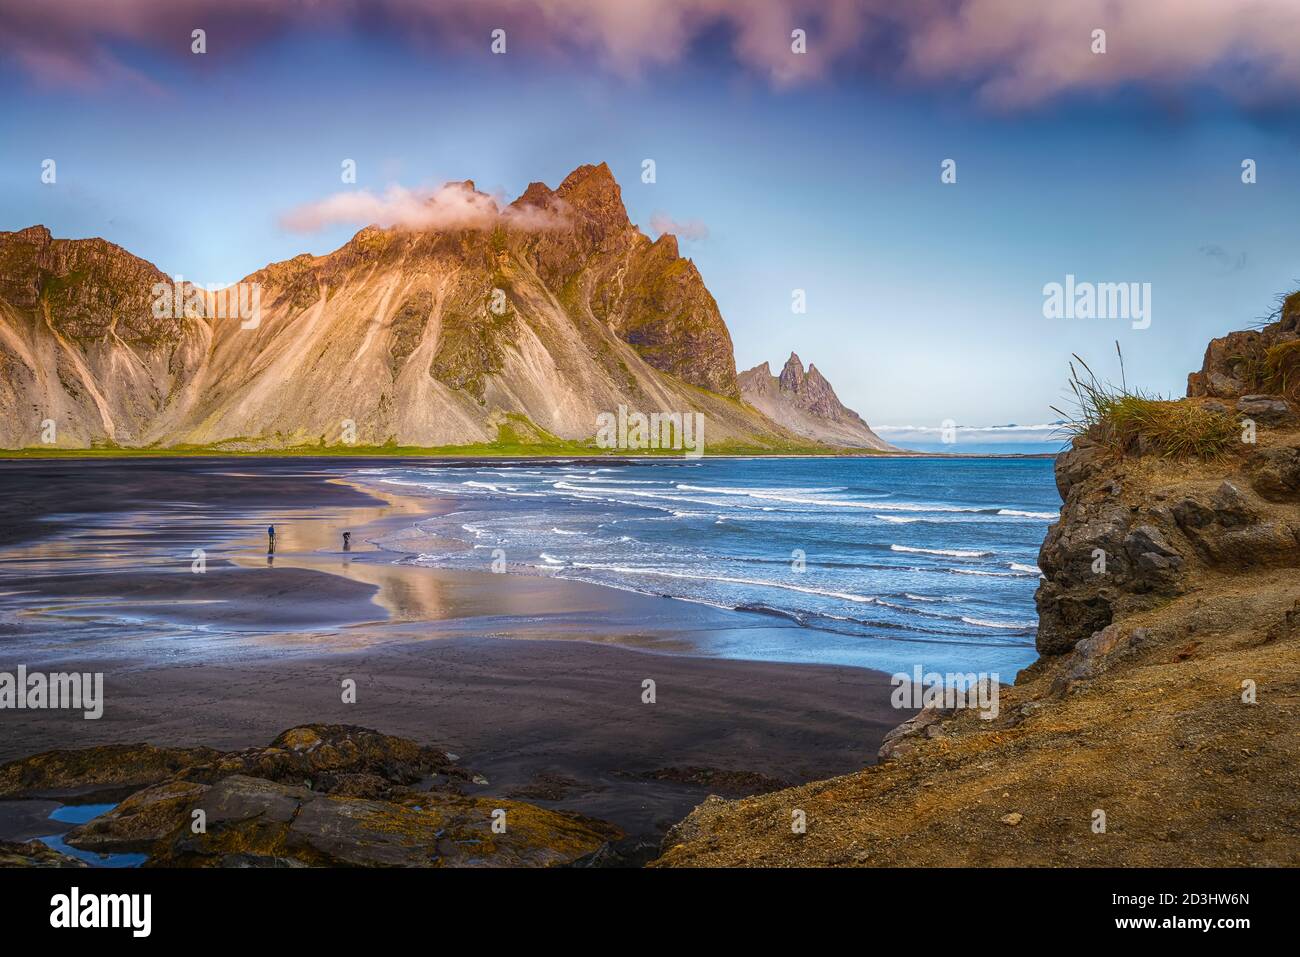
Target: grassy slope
{"x": 517, "y": 437}
{"x": 481, "y": 450}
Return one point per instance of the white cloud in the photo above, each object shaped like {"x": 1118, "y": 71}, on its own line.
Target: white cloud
{"x": 1046, "y": 432}
{"x": 450, "y": 206}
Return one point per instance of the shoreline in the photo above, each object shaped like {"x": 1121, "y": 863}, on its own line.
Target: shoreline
{"x": 555, "y": 716}
{"x": 546, "y": 708}
{"x": 24, "y": 455}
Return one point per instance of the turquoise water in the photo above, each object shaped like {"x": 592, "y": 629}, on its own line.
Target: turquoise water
{"x": 80, "y": 814}
{"x": 880, "y": 562}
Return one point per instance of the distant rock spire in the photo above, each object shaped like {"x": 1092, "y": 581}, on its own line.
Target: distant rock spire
{"x": 792, "y": 375}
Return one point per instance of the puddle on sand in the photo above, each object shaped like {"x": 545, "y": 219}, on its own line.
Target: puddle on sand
{"x": 80, "y": 814}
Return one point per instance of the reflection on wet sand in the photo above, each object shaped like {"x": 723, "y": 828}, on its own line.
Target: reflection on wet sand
{"x": 111, "y": 578}
{"x": 313, "y": 539}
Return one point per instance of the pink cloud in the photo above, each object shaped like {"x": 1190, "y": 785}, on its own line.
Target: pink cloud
{"x": 1013, "y": 53}
{"x": 624, "y": 36}
{"x": 691, "y": 229}
{"x": 1020, "y": 53}
{"x": 450, "y": 206}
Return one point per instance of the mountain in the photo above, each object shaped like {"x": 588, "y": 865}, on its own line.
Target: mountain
{"x": 532, "y": 319}
{"x": 1169, "y": 647}
{"x": 805, "y": 403}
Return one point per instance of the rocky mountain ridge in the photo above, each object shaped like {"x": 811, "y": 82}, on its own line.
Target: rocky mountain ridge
{"x": 547, "y": 312}
{"x": 805, "y": 403}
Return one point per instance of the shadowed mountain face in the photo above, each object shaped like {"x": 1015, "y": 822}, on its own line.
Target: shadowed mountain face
{"x": 805, "y": 403}
{"x": 556, "y": 309}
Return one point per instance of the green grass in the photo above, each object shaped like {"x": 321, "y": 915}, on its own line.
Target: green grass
{"x": 517, "y": 437}
{"x": 1133, "y": 423}
{"x": 477, "y": 450}
{"x": 514, "y": 440}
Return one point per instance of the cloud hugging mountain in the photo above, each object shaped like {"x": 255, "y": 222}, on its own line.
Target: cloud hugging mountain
{"x": 452, "y": 318}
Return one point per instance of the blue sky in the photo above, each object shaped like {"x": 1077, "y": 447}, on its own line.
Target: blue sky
{"x": 924, "y": 299}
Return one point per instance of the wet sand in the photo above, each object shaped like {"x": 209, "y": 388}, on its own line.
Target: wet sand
{"x": 96, "y": 574}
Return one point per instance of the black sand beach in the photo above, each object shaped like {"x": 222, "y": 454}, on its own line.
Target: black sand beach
{"x": 96, "y": 574}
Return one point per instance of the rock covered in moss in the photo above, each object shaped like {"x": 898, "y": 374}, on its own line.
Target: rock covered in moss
{"x": 112, "y": 768}
{"x": 327, "y": 795}
{"x": 330, "y": 757}
{"x": 252, "y": 822}
{"x": 140, "y": 821}
{"x": 34, "y": 854}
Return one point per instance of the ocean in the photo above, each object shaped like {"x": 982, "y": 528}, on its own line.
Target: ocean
{"x": 883, "y": 563}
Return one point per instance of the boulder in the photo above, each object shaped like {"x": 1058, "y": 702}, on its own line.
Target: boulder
{"x": 1064, "y": 618}
{"x": 1227, "y": 365}
{"x": 1097, "y": 653}
{"x": 1265, "y": 409}
{"x": 926, "y": 723}
{"x": 1275, "y": 473}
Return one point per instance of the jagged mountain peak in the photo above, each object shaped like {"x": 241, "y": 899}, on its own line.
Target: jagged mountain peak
{"x": 667, "y": 243}
{"x": 395, "y": 330}
{"x": 537, "y": 194}
{"x": 804, "y": 402}
{"x": 32, "y": 234}
{"x": 590, "y": 173}
{"x": 593, "y": 191}
{"x": 792, "y": 375}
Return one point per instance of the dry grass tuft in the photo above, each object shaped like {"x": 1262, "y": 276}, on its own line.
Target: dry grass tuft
{"x": 1133, "y": 423}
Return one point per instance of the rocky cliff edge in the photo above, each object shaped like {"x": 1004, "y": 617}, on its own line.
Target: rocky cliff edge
{"x": 1158, "y": 726}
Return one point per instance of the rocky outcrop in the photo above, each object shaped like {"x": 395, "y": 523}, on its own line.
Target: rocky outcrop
{"x": 94, "y": 772}
{"x": 805, "y": 403}
{"x": 1157, "y": 727}
{"x": 332, "y": 758}
{"x": 34, "y": 854}
{"x": 1133, "y": 534}
{"x": 253, "y": 822}
{"x": 553, "y": 311}
{"x": 1253, "y": 362}
{"x": 80, "y": 345}
{"x": 318, "y": 795}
